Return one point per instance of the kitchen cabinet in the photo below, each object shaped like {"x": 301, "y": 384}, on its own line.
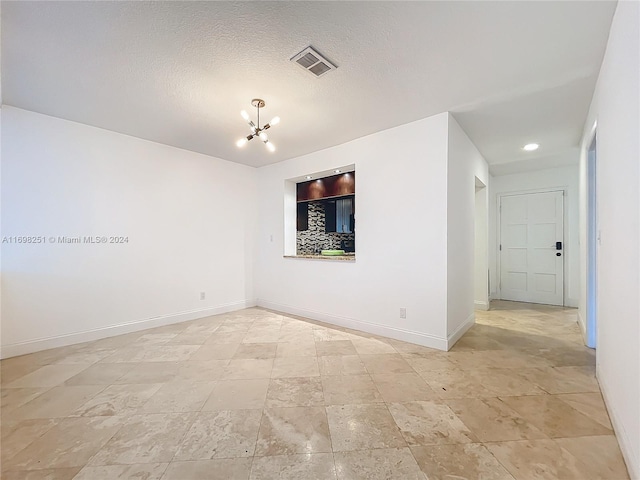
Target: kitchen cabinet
{"x": 327, "y": 187}
{"x": 302, "y": 220}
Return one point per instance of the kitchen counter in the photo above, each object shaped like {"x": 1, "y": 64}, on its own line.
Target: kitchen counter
{"x": 348, "y": 257}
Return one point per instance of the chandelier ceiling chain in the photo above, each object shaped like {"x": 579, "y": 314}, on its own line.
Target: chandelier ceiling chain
{"x": 256, "y": 130}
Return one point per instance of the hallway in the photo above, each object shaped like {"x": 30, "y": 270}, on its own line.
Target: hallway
{"x": 260, "y": 395}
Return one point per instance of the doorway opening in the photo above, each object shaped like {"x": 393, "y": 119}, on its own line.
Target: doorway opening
{"x": 481, "y": 248}
{"x": 592, "y": 243}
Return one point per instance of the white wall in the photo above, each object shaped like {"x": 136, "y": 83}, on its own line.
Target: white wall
{"x": 553, "y": 178}
{"x": 401, "y": 238}
{"x": 189, "y": 219}
{"x": 464, "y": 164}
{"x": 615, "y": 108}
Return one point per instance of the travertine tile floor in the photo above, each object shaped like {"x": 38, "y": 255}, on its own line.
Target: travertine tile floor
{"x": 254, "y": 394}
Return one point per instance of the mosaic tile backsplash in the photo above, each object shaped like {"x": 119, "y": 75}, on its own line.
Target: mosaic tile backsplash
{"x": 315, "y": 238}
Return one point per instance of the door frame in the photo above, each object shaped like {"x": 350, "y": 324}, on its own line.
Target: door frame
{"x": 564, "y": 189}
{"x": 593, "y": 241}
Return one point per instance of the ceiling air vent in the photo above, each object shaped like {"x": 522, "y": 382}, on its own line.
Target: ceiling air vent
{"x": 313, "y": 62}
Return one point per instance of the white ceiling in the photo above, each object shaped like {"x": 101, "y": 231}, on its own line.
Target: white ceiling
{"x": 179, "y": 72}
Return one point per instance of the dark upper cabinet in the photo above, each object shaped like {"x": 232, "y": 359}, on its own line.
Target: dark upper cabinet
{"x": 334, "y": 186}
{"x": 302, "y": 221}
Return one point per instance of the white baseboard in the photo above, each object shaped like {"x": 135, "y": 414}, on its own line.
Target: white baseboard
{"x": 418, "y": 338}
{"x": 571, "y": 302}
{"x": 460, "y": 331}
{"x": 36, "y": 345}
{"x": 626, "y": 447}
{"x": 480, "y": 305}
{"x": 583, "y": 327}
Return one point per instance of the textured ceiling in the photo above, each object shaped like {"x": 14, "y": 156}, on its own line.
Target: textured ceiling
{"x": 179, "y": 72}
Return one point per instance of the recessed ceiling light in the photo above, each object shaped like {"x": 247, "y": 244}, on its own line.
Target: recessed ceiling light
{"x": 337, "y": 171}
{"x": 530, "y": 147}
{"x": 308, "y": 177}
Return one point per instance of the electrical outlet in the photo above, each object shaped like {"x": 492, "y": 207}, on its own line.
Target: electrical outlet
{"x": 202, "y": 295}
{"x": 403, "y": 313}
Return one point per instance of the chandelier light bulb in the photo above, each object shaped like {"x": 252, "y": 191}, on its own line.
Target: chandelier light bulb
{"x": 242, "y": 142}
{"x": 263, "y": 136}
{"x": 245, "y": 115}
{"x": 274, "y": 121}
{"x": 270, "y": 146}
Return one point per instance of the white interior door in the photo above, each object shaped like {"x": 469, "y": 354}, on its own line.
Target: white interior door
{"x": 531, "y": 263}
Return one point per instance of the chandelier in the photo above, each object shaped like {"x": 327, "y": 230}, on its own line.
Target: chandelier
{"x": 256, "y": 129}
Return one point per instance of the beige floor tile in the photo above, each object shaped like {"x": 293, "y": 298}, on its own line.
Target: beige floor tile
{"x": 244, "y": 394}
{"x": 219, "y": 468}
{"x": 190, "y": 339}
{"x": 302, "y": 337}
{"x": 386, "y": 363}
{"x": 589, "y": 404}
{"x": 179, "y": 396}
{"x": 19, "y": 434}
{"x": 100, "y": 374}
{"x": 316, "y": 466}
{"x": 349, "y": 389}
{"x": 554, "y": 417}
{"x": 201, "y": 371}
{"x": 402, "y": 387}
{"x": 10, "y": 372}
{"x": 149, "y": 372}
{"x": 360, "y": 427}
{"x": 410, "y": 348}
{"x": 225, "y": 337}
{"x": 13, "y": 398}
{"x": 430, "y": 361}
{"x": 144, "y": 471}
{"x": 518, "y": 352}
{"x": 149, "y": 438}
{"x": 153, "y": 353}
{"x": 57, "y": 402}
{"x": 429, "y": 423}
{"x": 221, "y": 434}
{"x": 262, "y": 335}
{"x": 568, "y": 355}
{"x": 470, "y": 461}
{"x": 256, "y": 350}
{"x": 498, "y": 359}
{"x": 380, "y": 464}
{"x": 455, "y": 383}
{"x": 244, "y": 368}
{"x": 217, "y": 351}
{"x": 341, "y": 365}
{"x": 46, "y": 474}
{"x": 118, "y": 399}
{"x": 295, "y": 392}
{"x": 296, "y": 349}
{"x": 372, "y": 347}
{"x": 69, "y": 443}
{"x": 563, "y": 379}
{"x": 290, "y": 430}
{"x": 335, "y": 347}
{"x": 287, "y": 367}
{"x": 538, "y": 460}
{"x": 48, "y": 376}
{"x": 608, "y": 464}
{"x": 491, "y": 420}
{"x": 506, "y": 382}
